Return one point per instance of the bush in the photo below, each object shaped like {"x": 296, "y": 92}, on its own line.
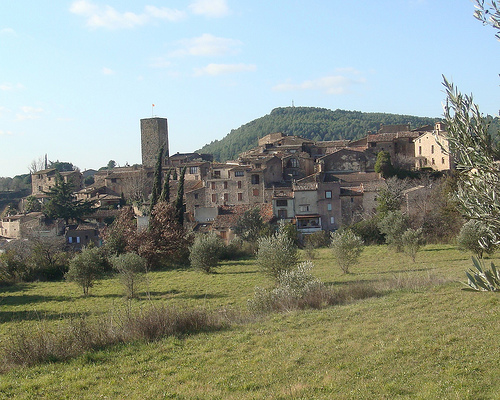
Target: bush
{"x": 346, "y": 248}
{"x": 132, "y": 269}
{"x": 206, "y": 252}
{"x": 393, "y": 225}
{"x": 86, "y": 267}
{"x": 476, "y": 237}
{"x": 412, "y": 241}
{"x": 276, "y": 254}
{"x": 368, "y": 231}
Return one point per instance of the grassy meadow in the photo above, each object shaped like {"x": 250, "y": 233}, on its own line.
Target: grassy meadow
{"x": 420, "y": 338}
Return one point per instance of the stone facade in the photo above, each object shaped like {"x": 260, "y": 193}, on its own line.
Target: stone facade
{"x": 154, "y": 135}
{"x": 431, "y": 150}
{"x": 43, "y": 181}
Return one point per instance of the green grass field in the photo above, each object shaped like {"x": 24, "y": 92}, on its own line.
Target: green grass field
{"x": 422, "y": 338}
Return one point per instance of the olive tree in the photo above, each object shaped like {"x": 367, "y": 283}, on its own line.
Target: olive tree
{"x": 346, "y": 248}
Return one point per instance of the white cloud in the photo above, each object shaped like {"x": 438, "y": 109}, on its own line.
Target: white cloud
{"x": 5, "y": 133}
{"x": 210, "y": 8}
{"x": 332, "y": 84}
{"x": 107, "y": 71}
{"x": 160, "y": 62}
{"x": 29, "y": 113}
{"x": 107, "y": 17}
{"x": 207, "y": 45}
{"x": 8, "y": 32}
{"x": 222, "y": 69}
{"x": 9, "y": 87}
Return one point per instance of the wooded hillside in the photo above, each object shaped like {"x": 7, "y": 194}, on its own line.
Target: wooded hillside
{"x": 308, "y": 122}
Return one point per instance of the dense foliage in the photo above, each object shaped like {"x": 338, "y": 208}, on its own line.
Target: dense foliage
{"x": 309, "y": 122}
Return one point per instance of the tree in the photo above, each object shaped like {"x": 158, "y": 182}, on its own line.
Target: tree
{"x": 62, "y": 204}
{"x": 164, "y": 241}
{"x": 391, "y": 197}
{"x": 32, "y": 204}
{"x": 412, "y": 240}
{"x": 383, "y": 165}
{"x": 477, "y": 238}
{"x": 111, "y": 164}
{"x": 276, "y": 253}
{"x": 346, "y": 247}
{"x": 86, "y": 267}
{"x": 393, "y": 225}
{"x": 155, "y": 193}
{"x": 249, "y": 225}
{"x": 120, "y": 234}
{"x": 206, "y": 252}
{"x": 132, "y": 269}
{"x": 179, "y": 201}
{"x": 165, "y": 193}
{"x": 470, "y": 143}
{"x": 62, "y": 166}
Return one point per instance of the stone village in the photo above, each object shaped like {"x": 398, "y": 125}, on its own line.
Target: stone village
{"x": 315, "y": 185}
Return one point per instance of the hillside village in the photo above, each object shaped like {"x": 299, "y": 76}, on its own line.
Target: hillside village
{"x": 316, "y": 185}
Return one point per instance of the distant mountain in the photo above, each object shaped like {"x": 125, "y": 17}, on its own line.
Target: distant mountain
{"x": 309, "y": 122}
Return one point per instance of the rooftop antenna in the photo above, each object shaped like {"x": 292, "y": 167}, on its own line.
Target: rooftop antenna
{"x": 152, "y": 110}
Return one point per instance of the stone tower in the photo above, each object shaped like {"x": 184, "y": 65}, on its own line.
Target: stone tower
{"x": 154, "y": 135}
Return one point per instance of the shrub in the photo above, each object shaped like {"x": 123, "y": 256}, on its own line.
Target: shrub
{"x": 346, "y": 248}
{"x": 393, "y": 225}
{"x": 206, "y": 252}
{"x": 476, "y": 237}
{"x": 412, "y": 240}
{"x": 86, "y": 267}
{"x": 368, "y": 231}
{"x": 132, "y": 269}
{"x": 482, "y": 280}
{"x": 276, "y": 253}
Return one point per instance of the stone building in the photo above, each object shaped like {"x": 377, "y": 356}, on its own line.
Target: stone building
{"x": 432, "y": 151}
{"x": 43, "y": 181}
{"x": 154, "y": 136}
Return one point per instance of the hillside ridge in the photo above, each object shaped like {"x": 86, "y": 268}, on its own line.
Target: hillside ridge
{"x": 313, "y": 123}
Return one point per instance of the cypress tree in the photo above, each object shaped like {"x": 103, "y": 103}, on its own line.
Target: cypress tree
{"x": 165, "y": 193}
{"x": 155, "y": 193}
{"x": 179, "y": 201}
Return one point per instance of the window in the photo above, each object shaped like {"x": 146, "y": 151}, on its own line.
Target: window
{"x": 240, "y": 196}
{"x": 442, "y": 160}
{"x": 212, "y": 184}
{"x": 432, "y": 149}
{"x": 282, "y": 214}
{"x": 433, "y": 162}
{"x": 196, "y": 195}
{"x": 214, "y": 198}
{"x": 332, "y": 220}
{"x": 304, "y": 207}
{"x": 239, "y": 173}
{"x": 217, "y": 174}
{"x": 226, "y": 197}
{"x": 293, "y": 163}
{"x": 113, "y": 180}
{"x": 419, "y": 150}
{"x": 223, "y": 234}
{"x": 352, "y": 199}
{"x": 256, "y": 192}
{"x": 193, "y": 170}
{"x": 328, "y": 194}
{"x": 329, "y": 207}
{"x": 257, "y": 166}
{"x": 281, "y": 203}
{"x": 255, "y": 179}
{"x": 239, "y": 184}
{"x": 225, "y": 184}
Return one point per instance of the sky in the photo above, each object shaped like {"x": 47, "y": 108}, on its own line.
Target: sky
{"x": 77, "y": 76}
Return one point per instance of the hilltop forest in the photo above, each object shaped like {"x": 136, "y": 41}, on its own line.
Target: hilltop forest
{"x": 309, "y": 122}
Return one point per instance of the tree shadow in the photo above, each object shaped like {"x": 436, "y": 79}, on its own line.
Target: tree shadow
{"x": 202, "y": 296}
{"x": 18, "y": 316}
{"x": 19, "y": 300}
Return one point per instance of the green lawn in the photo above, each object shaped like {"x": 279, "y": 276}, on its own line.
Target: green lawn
{"x": 423, "y": 338}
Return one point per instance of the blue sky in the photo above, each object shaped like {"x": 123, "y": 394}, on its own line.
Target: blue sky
{"x": 77, "y": 76}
